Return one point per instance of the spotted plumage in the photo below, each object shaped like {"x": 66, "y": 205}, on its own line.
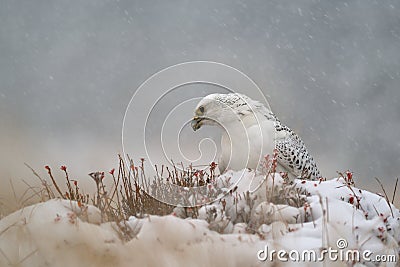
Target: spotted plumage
{"x": 251, "y": 131}
{"x": 293, "y": 154}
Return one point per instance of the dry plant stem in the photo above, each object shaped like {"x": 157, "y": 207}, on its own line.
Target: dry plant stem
{"x": 70, "y": 190}
{"x": 386, "y": 196}
{"x": 129, "y": 180}
{"x": 352, "y": 221}
{"x": 327, "y": 209}
{"x": 43, "y": 182}
{"x": 35, "y": 193}
{"x": 27, "y": 256}
{"x": 325, "y": 236}
{"x": 1, "y": 251}
{"x": 395, "y": 189}
{"x": 377, "y": 212}
{"x": 365, "y": 241}
{"x": 13, "y": 189}
{"x": 54, "y": 182}
{"x": 115, "y": 193}
{"x": 356, "y": 197}
{"x": 143, "y": 176}
{"x": 312, "y": 218}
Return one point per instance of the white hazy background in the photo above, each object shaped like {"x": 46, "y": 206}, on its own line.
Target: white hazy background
{"x": 330, "y": 69}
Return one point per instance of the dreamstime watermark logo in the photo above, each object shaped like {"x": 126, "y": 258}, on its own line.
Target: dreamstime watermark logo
{"x": 157, "y": 123}
{"x": 342, "y": 253}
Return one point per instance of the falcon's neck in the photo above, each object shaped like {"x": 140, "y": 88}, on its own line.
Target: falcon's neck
{"x": 256, "y": 118}
{"x": 251, "y": 119}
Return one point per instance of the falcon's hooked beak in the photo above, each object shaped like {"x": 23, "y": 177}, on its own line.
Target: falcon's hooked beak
{"x": 196, "y": 123}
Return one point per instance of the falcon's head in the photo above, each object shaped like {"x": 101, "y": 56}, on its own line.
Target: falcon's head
{"x": 220, "y": 109}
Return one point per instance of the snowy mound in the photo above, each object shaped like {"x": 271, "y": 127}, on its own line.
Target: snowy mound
{"x": 257, "y": 216}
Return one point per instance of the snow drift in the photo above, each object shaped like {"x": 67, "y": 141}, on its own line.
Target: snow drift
{"x": 233, "y": 231}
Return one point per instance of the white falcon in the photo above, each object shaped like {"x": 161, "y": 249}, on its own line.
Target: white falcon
{"x": 252, "y": 131}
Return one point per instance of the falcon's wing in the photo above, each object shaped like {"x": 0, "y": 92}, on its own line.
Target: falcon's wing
{"x": 293, "y": 154}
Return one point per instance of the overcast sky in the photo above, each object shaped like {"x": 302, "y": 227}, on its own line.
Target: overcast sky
{"x": 330, "y": 70}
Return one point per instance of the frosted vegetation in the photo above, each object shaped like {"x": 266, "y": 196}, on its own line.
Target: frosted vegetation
{"x": 235, "y": 215}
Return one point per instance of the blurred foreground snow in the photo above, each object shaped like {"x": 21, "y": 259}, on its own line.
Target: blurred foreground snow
{"x": 230, "y": 232}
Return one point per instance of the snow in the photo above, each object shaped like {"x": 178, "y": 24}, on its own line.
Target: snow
{"x": 229, "y": 232}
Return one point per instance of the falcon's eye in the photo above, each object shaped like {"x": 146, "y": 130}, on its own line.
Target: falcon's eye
{"x": 201, "y": 108}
